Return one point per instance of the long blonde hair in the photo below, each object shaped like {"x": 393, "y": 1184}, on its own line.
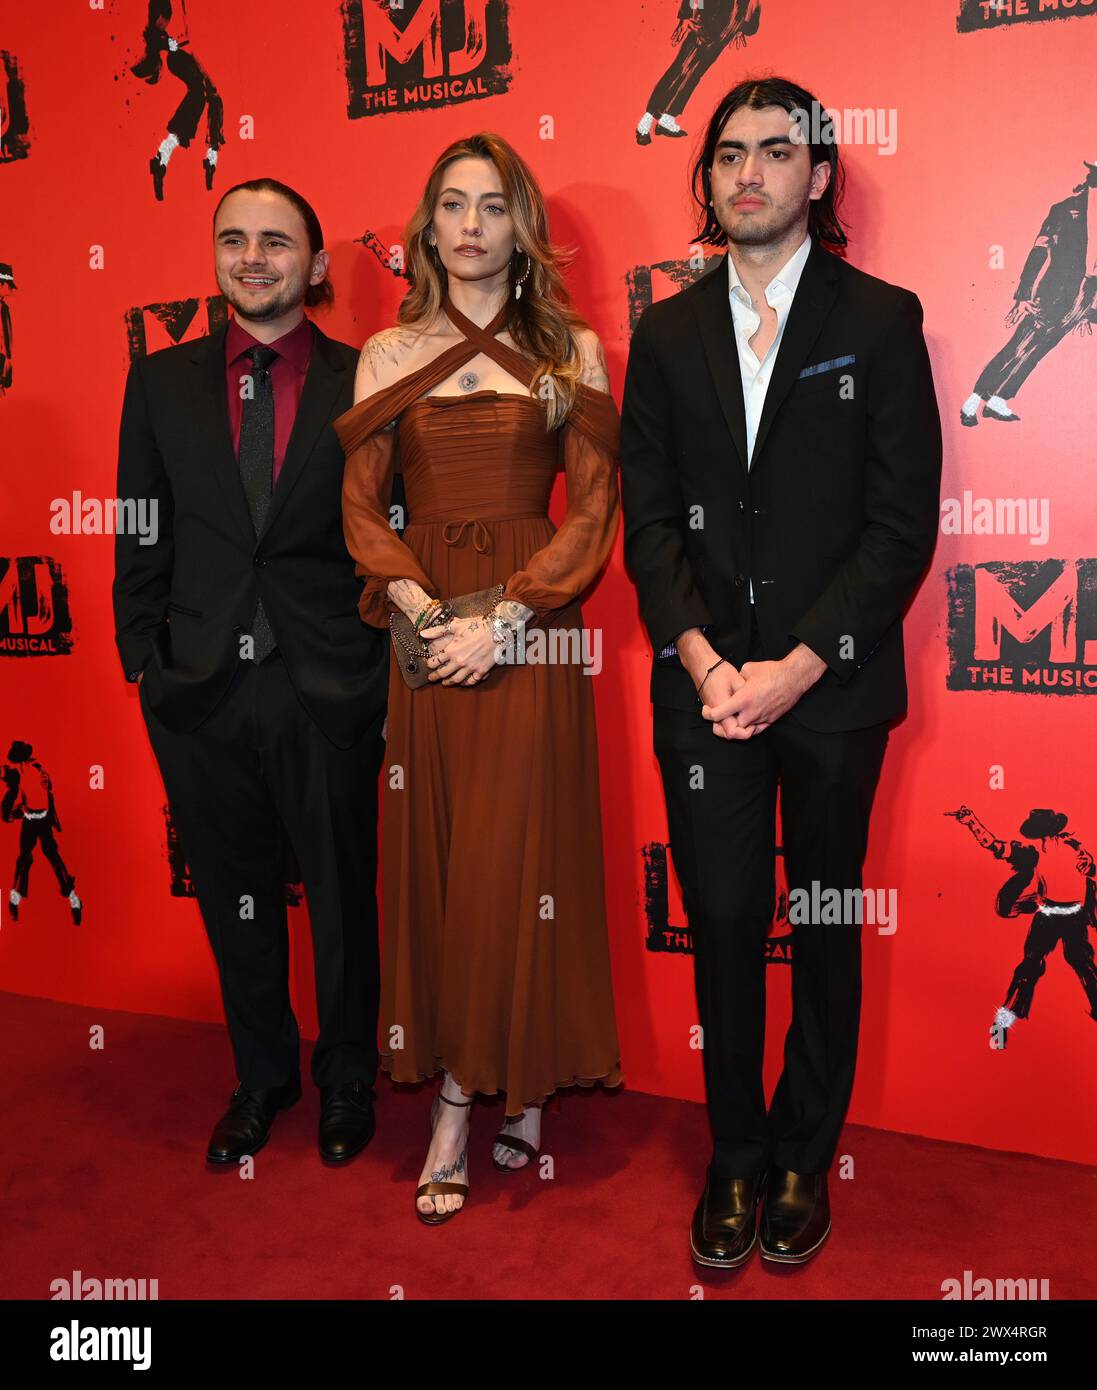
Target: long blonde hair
{"x": 542, "y": 322}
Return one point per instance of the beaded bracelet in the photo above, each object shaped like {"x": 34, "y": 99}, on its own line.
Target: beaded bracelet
{"x": 425, "y": 613}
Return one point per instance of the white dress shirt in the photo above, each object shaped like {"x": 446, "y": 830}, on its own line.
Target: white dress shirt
{"x": 756, "y": 375}
{"x": 779, "y": 295}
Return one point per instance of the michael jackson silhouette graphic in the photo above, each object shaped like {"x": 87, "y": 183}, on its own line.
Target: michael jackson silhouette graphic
{"x": 200, "y": 95}
{"x": 702, "y": 33}
{"x": 29, "y": 798}
{"x": 1053, "y": 879}
{"x": 7, "y": 284}
{"x": 1057, "y": 295}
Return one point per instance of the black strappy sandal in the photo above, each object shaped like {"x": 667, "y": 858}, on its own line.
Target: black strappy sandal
{"x": 439, "y": 1189}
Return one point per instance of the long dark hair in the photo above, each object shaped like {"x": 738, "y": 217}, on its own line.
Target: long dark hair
{"x": 324, "y": 292}
{"x": 756, "y": 92}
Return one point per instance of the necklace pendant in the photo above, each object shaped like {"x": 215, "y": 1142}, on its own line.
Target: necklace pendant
{"x": 469, "y": 381}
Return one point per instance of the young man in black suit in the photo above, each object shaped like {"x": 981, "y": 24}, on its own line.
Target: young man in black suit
{"x": 263, "y": 692}
{"x": 780, "y": 472}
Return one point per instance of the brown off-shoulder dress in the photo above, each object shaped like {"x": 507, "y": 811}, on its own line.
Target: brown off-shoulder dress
{"x": 495, "y": 958}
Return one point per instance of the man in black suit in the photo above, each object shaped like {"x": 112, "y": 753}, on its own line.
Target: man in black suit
{"x": 263, "y": 692}
{"x": 780, "y": 470}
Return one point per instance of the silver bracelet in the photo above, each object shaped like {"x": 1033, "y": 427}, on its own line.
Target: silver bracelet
{"x": 503, "y": 629}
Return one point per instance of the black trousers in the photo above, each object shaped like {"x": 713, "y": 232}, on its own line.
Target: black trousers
{"x": 39, "y": 832}
{"x": 1033, "y": 338}
{"x": 721, "y": 806}
{"x": 200, "y": 94}
{"x": 721, "y": 20}
{"x": 1044, "y": 934}
{"x": 257, "y": 770}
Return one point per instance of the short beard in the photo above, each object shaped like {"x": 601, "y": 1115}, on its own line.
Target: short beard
{"x": 283, "y": 301}
{"x": 775, "y": 229}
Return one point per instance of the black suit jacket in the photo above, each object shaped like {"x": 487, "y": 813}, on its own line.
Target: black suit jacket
{"x": 836, "y": 519}
{"x": 181, "y": 605}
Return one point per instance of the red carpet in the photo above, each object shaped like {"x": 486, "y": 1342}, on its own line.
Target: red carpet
{"x": 103, "y": 1171}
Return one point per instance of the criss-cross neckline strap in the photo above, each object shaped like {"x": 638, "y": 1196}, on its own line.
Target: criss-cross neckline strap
{"x": 375, "y": 411}
{"x": 472, "y": 330}
{"x": 484, "y": 340}
{"x": 595, "y": 412}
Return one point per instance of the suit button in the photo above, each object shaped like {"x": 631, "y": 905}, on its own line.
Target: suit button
{"x": 742, "y": 505}
{"x": 739, "y": 581}
{"x": 759, "y": 511}
{"x": 259, "y": 562}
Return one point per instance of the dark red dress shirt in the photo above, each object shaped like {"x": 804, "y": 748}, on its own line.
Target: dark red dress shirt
{"x": 287, "y": 374}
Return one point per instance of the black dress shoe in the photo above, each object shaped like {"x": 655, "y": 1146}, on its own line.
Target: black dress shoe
{"x": 346, "y": 1120}
{"x": 795, "y": 1216}
{"x": 158, "y": 169}
{"x": 724, "y": 1228}
{"x": 245, "y": 1126}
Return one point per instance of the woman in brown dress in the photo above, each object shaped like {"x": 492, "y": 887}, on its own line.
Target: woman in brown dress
{"x": 495, "y": 955}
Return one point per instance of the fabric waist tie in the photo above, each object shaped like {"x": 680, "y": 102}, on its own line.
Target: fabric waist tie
{"x": 481, "y": 536}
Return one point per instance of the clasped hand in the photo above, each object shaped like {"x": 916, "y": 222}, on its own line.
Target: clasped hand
{"x": 744, "y": 702}
{"x": 462, "y": 652}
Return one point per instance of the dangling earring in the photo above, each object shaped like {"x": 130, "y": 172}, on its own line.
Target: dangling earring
{"x": 524, "y": 277}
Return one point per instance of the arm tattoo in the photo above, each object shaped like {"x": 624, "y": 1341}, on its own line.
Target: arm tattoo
{"x": 595, "y": 372}
{"x": 408, "y": 596}
{"x": 386, "y": 348}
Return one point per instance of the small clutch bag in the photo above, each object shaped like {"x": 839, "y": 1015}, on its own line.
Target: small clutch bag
{"x": 412, "y": 651}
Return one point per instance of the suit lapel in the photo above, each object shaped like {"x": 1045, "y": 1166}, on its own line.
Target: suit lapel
{"x": 322, "y": 382}
{"x": 713, "y": 309}
{"x": 810, "y": 305}
{"x": 212, "y": 414}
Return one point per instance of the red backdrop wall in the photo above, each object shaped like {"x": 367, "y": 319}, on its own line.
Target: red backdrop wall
{"x": 992, "y": 115}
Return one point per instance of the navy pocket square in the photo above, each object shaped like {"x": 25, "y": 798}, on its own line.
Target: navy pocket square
{"x": 829, "y": 366}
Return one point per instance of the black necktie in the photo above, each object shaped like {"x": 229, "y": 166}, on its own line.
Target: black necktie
{"x": 257, "y": 469}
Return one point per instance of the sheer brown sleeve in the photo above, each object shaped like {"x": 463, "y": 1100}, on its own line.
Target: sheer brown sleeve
{"x": 557, "y": 574}
{"x": 369, "y": 445}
